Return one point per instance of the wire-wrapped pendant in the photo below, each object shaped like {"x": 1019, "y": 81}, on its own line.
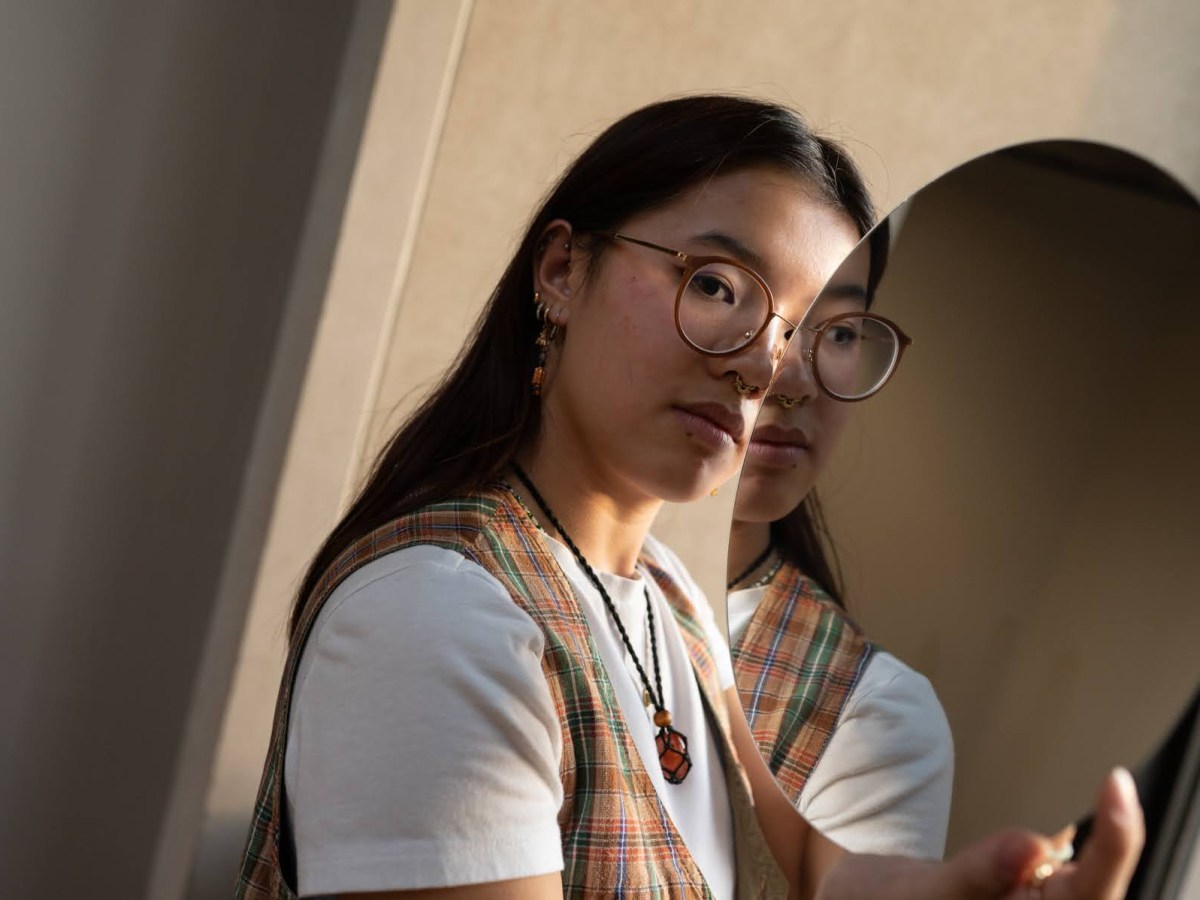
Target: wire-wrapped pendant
{"x": 672, "y": 749}
{"x": 672, "y": 746}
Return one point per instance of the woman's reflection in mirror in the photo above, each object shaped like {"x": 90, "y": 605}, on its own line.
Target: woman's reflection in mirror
{"x": 857, "y": 740}
{"x": 498, "y": 683}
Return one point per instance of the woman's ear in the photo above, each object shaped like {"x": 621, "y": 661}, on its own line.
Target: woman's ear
{"x": 552, "y": 274}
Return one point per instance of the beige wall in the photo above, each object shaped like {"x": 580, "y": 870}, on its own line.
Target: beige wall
{"x": 156, "y": 186}
{"x": 384, "y": 204}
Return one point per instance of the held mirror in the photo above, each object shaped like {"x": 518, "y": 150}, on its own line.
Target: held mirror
{"x": 1016, "y": 512}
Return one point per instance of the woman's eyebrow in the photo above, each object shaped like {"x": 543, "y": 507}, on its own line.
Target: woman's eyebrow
{"x": 734, "y": 248}
{"x": 845, "y": 291}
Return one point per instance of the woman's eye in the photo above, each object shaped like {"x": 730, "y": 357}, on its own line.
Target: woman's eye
{"x": 713, "y": 287}
{"x": 842, "y": 335}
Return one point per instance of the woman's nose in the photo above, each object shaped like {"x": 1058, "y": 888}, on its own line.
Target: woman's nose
{"x": 757, "y": 362}
{"x": 794, "y": 377}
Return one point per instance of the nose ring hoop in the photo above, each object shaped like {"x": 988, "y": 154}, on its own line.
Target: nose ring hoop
{"x": 744, "y": 389}
{"x": 785, "y": 401}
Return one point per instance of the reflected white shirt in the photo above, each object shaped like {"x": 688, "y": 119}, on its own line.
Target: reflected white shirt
{"x": 883, "y": 783}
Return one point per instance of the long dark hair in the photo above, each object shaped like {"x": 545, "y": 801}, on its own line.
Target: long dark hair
{"x": 802, "y": 536}
{"x": 481, "y": 412}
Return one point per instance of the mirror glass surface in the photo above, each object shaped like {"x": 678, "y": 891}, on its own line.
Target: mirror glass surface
{"x": 1016, "y": 513}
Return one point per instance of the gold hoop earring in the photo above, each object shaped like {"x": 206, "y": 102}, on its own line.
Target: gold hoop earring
{"x": 744, "y": 389}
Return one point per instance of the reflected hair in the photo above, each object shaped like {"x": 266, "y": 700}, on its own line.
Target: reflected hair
{"x": 802, "y": 537}
{"x": 481, "y": 412}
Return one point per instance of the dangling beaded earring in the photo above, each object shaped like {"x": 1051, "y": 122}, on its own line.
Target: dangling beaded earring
{"x": 545, "y": 336}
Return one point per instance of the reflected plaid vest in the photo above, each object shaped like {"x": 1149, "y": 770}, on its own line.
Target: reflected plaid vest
{"x": 617, "y": 838}
{"x": 796, "y": 665}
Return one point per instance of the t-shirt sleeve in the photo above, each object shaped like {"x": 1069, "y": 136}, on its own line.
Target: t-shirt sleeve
{"x": 424, "y": 745}
{"x": 883, "y": 783}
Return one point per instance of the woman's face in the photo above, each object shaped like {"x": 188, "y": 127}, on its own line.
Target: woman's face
{"x": 639, "y": 411}
{"x": 790, "y": 447}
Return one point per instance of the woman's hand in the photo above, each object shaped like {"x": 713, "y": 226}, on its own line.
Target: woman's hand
{"x": 1001, "y": 866}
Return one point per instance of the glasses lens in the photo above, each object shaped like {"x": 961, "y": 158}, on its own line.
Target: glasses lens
{"x": 722, "y": 307}
{"x": 855, "y": 355}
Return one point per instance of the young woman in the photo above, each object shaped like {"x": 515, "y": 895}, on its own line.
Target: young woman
{"x": 498, "y": 684}
{"x": 857, "y": 740}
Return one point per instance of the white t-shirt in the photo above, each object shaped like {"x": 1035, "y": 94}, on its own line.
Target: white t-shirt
{"x": 883, "y": 783}
{"x": 423, "y": 746}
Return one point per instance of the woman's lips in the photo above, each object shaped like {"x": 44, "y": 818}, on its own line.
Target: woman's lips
{"x": 777, "y": 446}
{"x": 714, "y": 424}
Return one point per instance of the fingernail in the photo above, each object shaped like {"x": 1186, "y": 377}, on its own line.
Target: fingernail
{"x": 1063, "y": 853}
{"x": 1126, "y": 807}
{"x": 1066, "y": 836}
{"x": 1125, "y": 785}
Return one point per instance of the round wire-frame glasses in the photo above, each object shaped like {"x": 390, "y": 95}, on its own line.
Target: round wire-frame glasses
{"x": 886, "y": 330}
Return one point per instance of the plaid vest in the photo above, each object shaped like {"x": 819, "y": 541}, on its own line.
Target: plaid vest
{"x": 617, "y": 838}
{"x": 796, "y": 665}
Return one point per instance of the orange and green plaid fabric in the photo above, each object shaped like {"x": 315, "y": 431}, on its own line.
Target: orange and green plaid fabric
{"x": 617, "y": 838}
{"x": 796, "y": 665}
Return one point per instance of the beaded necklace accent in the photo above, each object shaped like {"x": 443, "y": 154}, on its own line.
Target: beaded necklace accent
{"x": 759, "y": 560}
{"x": 766, "y": 578}
{"x": 672, "y": 745}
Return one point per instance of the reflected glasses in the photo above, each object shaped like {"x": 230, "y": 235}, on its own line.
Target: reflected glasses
{"x": 853, "y": 355}
{"x": 722, "y": 306}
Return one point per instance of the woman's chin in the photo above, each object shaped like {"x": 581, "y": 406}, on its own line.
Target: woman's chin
{"x": 766, "y": 499}
{"x": 705, "y": 481}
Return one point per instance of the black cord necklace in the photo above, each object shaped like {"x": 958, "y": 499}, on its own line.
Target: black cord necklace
{"x": 671, "y": 744}
{"x": 762, "y": 558}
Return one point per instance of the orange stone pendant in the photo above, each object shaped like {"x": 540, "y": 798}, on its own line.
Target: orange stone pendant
{"x": 673, "y": 754}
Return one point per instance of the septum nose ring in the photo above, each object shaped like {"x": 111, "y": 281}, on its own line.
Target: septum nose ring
{"x": 744, "y": 389}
